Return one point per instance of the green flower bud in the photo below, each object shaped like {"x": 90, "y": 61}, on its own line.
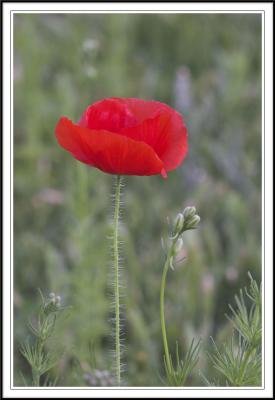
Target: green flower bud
{"x": 52, "y": 304}
{"x": 178, "y": 246}
{"x": 189, "y": 212}
{"x": 193, "y": 222}
{"x": 179, "y": 223}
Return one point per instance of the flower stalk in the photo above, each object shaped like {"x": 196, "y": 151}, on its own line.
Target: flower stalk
{"x": 177, "y": 375}
{"x": 162, "y": 315}
{"x": 116, "y": 270}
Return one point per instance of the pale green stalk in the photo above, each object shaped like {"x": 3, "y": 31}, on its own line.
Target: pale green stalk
{"x": 116, "y": 270}
{"x": 162, "y": 315}
{"x": 178, "y": 373}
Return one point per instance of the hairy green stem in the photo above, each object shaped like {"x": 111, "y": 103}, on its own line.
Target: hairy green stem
{"x": 162, "y": 316}
{"x": 116, "y": 270}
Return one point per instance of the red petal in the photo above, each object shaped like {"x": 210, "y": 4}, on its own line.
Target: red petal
{"x": 166, "y": 134}
{"x": 109, "y": 114}
{"x": 144, "y": 109}
{"x": 70, "y": 140}
{"x": 110, "y": 152}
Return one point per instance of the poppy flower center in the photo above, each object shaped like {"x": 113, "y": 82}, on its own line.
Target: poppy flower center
{"x": 108, "y": 115}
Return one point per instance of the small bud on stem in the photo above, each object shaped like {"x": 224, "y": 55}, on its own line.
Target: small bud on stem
{"x": 179, "y": 223}
{"x": 178, "y": 246}
{"x": 186, "y": 220}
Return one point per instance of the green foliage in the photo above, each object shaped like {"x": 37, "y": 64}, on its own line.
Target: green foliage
{"x": 239, "y": 361}
{"x": 40, "y": 359}
{"x": 209, "y": 68}
{"x": 177, "y": 375}
{"x": 248, "y": 324}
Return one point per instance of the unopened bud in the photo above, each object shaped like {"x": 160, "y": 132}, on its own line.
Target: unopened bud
{"x": 179, "y": 223}
{"x": 178, "y": 246}
{"x": 193, "y": 222}
{"x": 52, "y": 304}
{"x": 189, "y": 212}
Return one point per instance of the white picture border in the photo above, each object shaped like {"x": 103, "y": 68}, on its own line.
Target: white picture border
{"x": 266, "y": 10}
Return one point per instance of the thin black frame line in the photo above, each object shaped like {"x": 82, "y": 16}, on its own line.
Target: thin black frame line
{"x": 11, "y": 198}
{"x": 263, "y": 205}
{"x": 138, "y": 11}
{"x": 184, "y": 388}
{"x": 263, "y": 186}
{"x": 138, "y": 2}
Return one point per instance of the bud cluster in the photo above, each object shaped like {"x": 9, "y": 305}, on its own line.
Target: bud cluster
{"x": 36, "y": 353}
{"x": 52, "y": 304}
{"x": 186, "y": 220}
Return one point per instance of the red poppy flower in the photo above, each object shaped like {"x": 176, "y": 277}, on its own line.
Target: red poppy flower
{"x": 126, "y": 136}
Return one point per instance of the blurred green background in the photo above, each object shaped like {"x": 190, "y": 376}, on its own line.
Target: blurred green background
{"x": 209, "y": 68}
